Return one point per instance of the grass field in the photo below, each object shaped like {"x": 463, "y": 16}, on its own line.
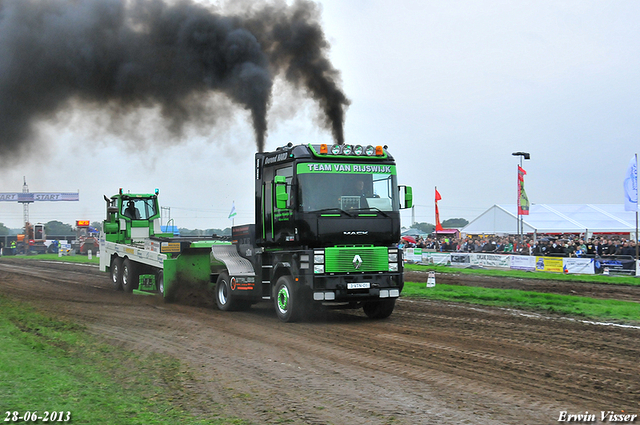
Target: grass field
{"x": 54, "y": 257}
{"x": 49, "y": 365}
{"x": 591, "y": 308}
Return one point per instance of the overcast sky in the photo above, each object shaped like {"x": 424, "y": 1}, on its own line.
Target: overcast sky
{"x": 453, "y": 88}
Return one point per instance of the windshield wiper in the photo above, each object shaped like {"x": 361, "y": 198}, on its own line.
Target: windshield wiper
{"x": 332, "y": 209}
{"x": 373, "y": 208}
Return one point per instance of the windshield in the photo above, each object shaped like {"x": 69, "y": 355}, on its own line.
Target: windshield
{"x": 337, "y": 186}
{"x": 138, "y": 208}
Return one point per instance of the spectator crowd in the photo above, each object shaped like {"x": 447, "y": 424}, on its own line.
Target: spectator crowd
{"x": 563, "y": 246}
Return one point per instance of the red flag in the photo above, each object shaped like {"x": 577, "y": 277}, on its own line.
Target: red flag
{"x": 523, "y": 200}
{"x": 521, "y": 174}
{"x": 438, "y": 225}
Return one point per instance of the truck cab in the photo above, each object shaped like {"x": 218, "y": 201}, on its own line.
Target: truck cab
{"x": 327, "y": 219}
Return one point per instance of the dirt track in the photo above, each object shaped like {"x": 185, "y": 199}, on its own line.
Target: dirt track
{"x": 430, "y": 363}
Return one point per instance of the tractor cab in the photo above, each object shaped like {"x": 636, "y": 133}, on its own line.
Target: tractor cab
{"x": 132, "y": 217}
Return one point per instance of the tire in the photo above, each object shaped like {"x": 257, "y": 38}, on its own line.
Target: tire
{"x": 116, "y": 273}
{"x": 160, "y": 282}
{"x": 379, "y": 309}
{"x": 129, "y": 275}
{"x": 224, "y": 298}
{"x": 288, "y": 306}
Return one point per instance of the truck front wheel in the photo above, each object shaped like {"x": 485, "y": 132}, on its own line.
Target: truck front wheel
{"x": 288, "y": 306}
{"x": 116, "y": 273}
{"x": 379, "y": 309}
{"x": 129, "y": 275}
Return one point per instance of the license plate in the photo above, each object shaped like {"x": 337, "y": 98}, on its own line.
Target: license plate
{"x": 359, "y": 285}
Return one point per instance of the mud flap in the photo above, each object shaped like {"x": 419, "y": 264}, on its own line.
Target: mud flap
{"x": 191, "y": 269}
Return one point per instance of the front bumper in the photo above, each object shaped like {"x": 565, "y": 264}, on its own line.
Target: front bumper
{"x": 358, "y": 287}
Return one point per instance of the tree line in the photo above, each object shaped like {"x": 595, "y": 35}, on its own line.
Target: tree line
{"x": 58, "y": 228}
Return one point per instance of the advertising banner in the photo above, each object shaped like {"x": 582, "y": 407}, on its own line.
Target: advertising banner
{"x": 549, "y": 264}
{"x": 460, "y": 259}
{"x": 413, "y": 255}
{"x": 614, "y": 265}
{"x": 578, "y": 265}
{"x": 523, "y": 200}
{"x": 522, "y": 262}
{"x": 438, "y": 258}
{"x": 28, "y": 197}
{"x": 490, "y": 260}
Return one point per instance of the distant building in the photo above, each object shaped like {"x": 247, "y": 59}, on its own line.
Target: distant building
{"x": 585, "y": 219}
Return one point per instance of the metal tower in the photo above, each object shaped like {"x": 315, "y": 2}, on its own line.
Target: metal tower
{"x": 25, "y": 198}
{"x": 25, "y": 202}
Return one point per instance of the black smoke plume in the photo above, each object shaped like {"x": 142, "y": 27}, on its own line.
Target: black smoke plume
{"x": 130, "y": 54}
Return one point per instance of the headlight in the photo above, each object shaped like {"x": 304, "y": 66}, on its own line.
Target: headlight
{"x": 318, "y": 268}
{"x": 393, "y": 258}
{"x": 335, "y": 149}
{"x": 318, "y": 258}
{"x": 370, "y": 150}
{"x": 358, "y": 150}
{"x": 393, "y": 267}
{"x": 346, "y": 149}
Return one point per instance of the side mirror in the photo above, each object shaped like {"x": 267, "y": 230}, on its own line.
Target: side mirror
{"x": 406, "y": 197}
{"x": 281, "y": 192}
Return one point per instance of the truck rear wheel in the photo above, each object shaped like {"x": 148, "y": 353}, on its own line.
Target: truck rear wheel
{"x": 288, "y": 306}
{"x": 379, "y": 309}
{"x": 129, "y": 275}
{"x": 224, "y": 299}
{"x": 160, "y": 282}
{"x": 116, "y": 273}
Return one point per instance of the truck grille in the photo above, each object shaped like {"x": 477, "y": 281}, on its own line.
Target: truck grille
{"x": 346, "y": 259}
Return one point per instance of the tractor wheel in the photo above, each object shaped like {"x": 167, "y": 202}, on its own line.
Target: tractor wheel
{"x": 129, "y": 275}
{"x": 289, "y": 307}
{"x": 379, "y": 309}
{"x": 116, "y": 273}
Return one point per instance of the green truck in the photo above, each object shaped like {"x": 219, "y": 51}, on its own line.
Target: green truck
{"x": 327, "y": 220}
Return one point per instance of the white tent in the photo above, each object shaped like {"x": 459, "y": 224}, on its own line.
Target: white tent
{"x": 558, "y": 218}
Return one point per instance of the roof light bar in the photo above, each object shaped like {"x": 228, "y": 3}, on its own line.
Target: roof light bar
{"x": 352, "y": 150}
